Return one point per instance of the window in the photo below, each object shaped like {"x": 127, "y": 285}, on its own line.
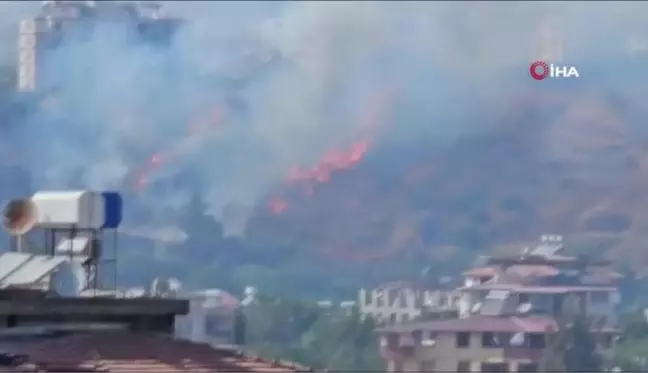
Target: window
{"x": 427, "y": 366}
{"x": 405, "y": 318}
{"x": 463, "y": 340}
{"x": 217, "y": 326}
{"x": 463, "y": 366}
{"x": 402, "y": 299}
{"x": 392, "y": 295}
{"x": 417, "y": 335}
{"x": 380, "y": 299}
{"x": 607, "y": 341}
{"x": 541, "y": 302}
{"x": 600, "y": 297}
{"x": 428, "y": 339}
{"x": 523, "y": 298}
{"x": 392, "y": 318}
{"x": 527, "y": 367}
{"x": 494, "y": 367}
{"x": 536, "y": 340}
{"x": 495, "y": 340}
{"x": 393, "y": 340}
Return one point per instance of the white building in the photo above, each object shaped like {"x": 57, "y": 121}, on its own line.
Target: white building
{"x": 402, "y": 301}
{"x": 211, "y": 317}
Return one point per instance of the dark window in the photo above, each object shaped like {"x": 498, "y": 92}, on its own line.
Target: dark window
{"x": 463, "y": 366}
{"x": 606, "y": 341}
{"x": 494, "y": 367}
{"x": 392, "y": 318}
{"x": 495, "y": 340}
{"x": 393, "y": 340}
{"x": 600, "y": 297}
{"x": 417, "y": 335}
{"x": 523, "y": 298}
{"x": 402, "y": 298}
{"x": 527, "y": 367}
{"x": 536, "y": 340}
{"x": 463, "y": 340}
{"x": 218, "y": 326}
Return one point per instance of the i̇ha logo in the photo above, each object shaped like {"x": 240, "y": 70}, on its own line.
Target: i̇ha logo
{"x": 540, "y": 70}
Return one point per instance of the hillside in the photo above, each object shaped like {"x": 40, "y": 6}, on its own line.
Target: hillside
{"x": 570, "y": 161}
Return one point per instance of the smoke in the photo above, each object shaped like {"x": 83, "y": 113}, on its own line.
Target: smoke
{"x": 113, "y": 104}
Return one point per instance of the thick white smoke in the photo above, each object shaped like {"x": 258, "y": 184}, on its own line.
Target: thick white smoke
{"x": 116, "y": 104}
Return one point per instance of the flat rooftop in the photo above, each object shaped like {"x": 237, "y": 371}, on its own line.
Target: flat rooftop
{"x": 121, "y": 351}
{"x": 93, "y": 306}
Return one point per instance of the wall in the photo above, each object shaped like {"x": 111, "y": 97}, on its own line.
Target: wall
{"x": 401, "y": 305}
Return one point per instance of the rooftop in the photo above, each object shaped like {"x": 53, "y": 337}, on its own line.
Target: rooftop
{"x": 529, "y": 324}
{"x": 539, "y": 289}
{"x": 121, "y": 351}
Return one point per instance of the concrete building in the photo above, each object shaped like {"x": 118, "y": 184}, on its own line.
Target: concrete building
{"x": 211, "y": 317}
{"x": 508, "y": 306}
{"x": 403, "y": 301}
{"x": 58, "y": 21}
{"x": 71, "y": 334}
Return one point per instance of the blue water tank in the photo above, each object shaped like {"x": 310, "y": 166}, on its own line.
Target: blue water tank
{"x": 113, "y": 209}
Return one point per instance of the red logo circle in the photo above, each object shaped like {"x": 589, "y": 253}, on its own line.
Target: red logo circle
{"x": 539, "y": 70}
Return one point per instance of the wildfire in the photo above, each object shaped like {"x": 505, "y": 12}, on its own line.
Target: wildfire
{"x": 195, "y": 129}
{"x": 338, "y": 159}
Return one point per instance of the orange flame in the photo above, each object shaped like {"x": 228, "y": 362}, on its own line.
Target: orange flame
{"x": 156, "y": 161}
{"x": 337, "y": 160}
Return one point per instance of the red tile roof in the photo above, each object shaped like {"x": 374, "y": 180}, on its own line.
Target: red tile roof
{"x": 131, "y": 352}
{"x": 539, "y": 289}
{"x": 482, "y": 272}
{"x": 530, "y": 324}
{"x": 532, "y": 270}
{"x": 398, "y": 285}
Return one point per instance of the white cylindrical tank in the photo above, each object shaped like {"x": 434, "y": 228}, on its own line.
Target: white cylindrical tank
{"x": 69, "y": 209}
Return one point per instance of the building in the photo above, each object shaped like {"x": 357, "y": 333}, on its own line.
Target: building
{"x": 39, "y": 333}
{"x": 211, "y": 317}
{"x": 402, "y": 301}
{"x": 66, "y": 20}
{"x": 55, "y": 316}
{"x": 508, "y": 306}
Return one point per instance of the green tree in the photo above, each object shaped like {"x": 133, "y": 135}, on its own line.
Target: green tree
{"x": 632, "y": 349}
{"x": 572, "y": 348}
{"x": 322, "y": 338}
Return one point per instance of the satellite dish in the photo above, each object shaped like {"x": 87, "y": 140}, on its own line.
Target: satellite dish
{"x": 524, "y": 308}
{"x": 476, "y": 307}
{"x": 19, "y": 216}
{"x": 64, "y": 282}
{"x": 517, "y": 339}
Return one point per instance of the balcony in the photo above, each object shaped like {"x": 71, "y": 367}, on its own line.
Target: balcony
{"x": 523, "y": 353}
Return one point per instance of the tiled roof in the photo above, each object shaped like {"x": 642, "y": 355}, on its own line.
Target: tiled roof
{"x": 532, "y": 270}
{"x": 482, "y": 271}
{"x": 539, "y": 289}
{"x": 118, "y": 351}
{"x": 530, "y": 324}
{"x": 398, "y": 285}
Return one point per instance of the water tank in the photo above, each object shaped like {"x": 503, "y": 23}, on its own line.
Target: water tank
{"x": 69, "y": 209}
{"x": 113, "y": 208}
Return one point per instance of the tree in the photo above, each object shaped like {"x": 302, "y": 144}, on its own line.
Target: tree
{"x": 322, "y": 338}
{"x": 572, "y": 348}
{"x": 632, "y": 349}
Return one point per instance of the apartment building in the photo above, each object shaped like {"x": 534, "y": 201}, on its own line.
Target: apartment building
{"x": 507, "y": 307}
{"x": 403, "y": 301}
